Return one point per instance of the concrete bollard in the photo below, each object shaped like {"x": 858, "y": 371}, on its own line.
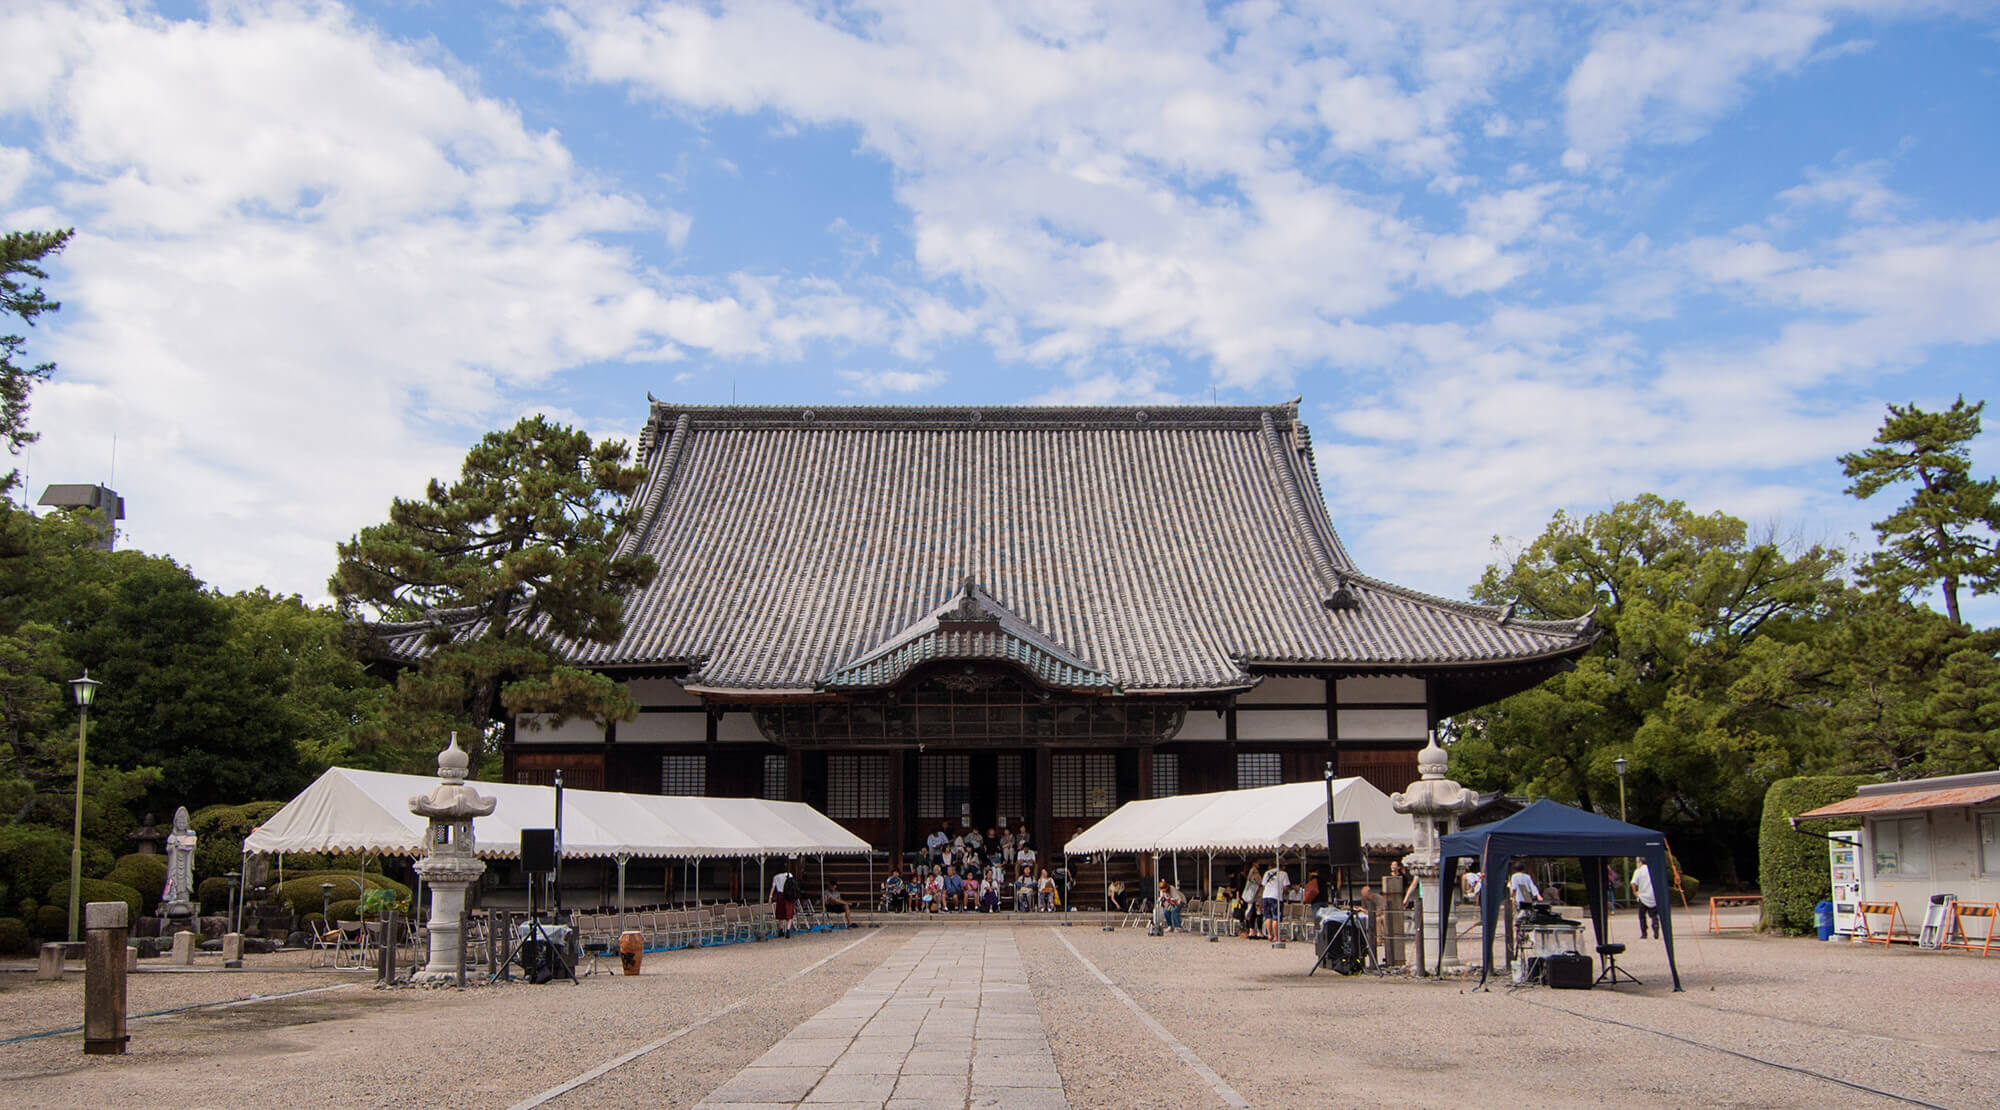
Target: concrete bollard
{"x": 104, "y": 978}
{"x": 232, "y": 950}
{"x": 131, "y": 959}
{"x": 183, "y": 949}
{"x": 50, "y": 968}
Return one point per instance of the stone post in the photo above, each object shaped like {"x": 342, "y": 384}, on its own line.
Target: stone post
{"x": 1436, "y": 803}
{"x": 50, "y": 967}
{"x": 104, "y": 978}
{"x": 183, "y": 949}
{"x": 232, "y": 950}
{"x": 449, "y": 864}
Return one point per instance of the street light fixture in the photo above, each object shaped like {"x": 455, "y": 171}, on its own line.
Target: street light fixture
{"x": 1619, "y": 765}
{"x": 84, "y": 691}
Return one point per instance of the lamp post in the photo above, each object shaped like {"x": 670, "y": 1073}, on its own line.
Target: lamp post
{"x": 1619, "y": 765}
{"x": 84, "y": 691}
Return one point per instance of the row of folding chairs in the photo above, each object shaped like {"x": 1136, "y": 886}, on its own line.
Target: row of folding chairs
{"x": 697, "y": 926}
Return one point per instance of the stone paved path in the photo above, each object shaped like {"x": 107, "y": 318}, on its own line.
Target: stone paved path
{"x": 946, "y": 1021}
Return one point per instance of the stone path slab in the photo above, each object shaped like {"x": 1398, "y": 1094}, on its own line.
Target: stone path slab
{"x": 945, "y": 1021}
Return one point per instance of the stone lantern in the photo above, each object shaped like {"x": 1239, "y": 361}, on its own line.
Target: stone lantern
{"x": 449, "y": 865}
{"x": 1436, "y": 803}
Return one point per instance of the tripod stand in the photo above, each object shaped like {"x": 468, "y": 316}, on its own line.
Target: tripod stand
{"x": 540, "y": 957}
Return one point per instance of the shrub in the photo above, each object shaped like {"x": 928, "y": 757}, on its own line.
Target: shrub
{"x": 33, "y": 859}
{"x": 220, "y": 830}
{"x": 348, "y": 909}
{"x": 146, "y": 874}
{"x": 52, "y": 922}
{"x": 96, "y": 890}
{"x": 1792, "y": 867}
{"x": 14, "y": 940}
{"x": 213, "y": 894}
{"x": 302, "y": 893}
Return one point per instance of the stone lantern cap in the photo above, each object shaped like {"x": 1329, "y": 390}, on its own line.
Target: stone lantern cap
{"x": 1433, "y": 794}
{"x": 452, "y": 800}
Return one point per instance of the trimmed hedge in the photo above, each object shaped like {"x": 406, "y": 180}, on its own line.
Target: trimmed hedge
{"x": 95, "y": 890}
{"x": 143, "y": 873}
{"x": 51, "y": 922}
{"x": 1791, "y": 866}
{"x": 302, "y": 894}
{"x": 33, "y": 859}
{"x": 219, "y": 832}
{"x": 212, "y": 894}
{"x": 14, "y": 940}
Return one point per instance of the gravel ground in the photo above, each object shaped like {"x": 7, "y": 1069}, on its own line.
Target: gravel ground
{"x": 1918, "y": 1024}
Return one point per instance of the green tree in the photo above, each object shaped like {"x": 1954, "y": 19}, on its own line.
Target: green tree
{"x": 330, "y": 700}
{"x": 518, "y": 553}
{"x": 20, "y": 297}
{"x": 1948, "y": 533}
{"x": 1903, "y": 691}
{"x": 1699, "y": 626}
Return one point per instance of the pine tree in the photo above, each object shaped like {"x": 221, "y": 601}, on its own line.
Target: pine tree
{"x": 19, "y": 251}
{"x": 517, "y": 553}
{"x": 1948, "y": 533}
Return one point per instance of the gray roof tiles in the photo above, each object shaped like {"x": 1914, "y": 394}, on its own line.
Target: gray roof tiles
{"x": 1169, "y": 547}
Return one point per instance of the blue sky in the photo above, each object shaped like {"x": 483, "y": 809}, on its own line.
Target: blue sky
{"x": 1514, "y": 257}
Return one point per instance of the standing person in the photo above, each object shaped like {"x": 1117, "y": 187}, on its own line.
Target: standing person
{"x": 1275, "y": 882}
{"x": 1253, "y": 897}
{"x": 934, "y": 845}
{"x": 1611, "y": 887}
{"x": 1521, "y": 887}
{"x": 1007, "y": 844}
{"x": 783, "y": 896}
{"x": 1649, "y": 909}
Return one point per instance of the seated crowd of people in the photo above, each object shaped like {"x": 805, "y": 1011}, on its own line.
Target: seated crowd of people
{"x": 968, "y": 872}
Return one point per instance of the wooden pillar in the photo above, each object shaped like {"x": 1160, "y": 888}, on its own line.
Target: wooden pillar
{"x": 1044, "y": 805}
{"x": 1145, "y": 773}
{"x": 899, "y": 810}
{"x": 795, "y": 774}
{"x": 104, "y": 926}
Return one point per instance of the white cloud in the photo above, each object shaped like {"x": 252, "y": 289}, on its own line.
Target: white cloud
{"x": 874, "y": 383}
{"x": 1124, "y": 175}
{"x": 15, "y": 166}
{"x": 312, "y": 264}
{"x": 1859, "y": 189}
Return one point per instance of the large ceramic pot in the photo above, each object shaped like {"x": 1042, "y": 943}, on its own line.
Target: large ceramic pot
{"x": 631, "y": 950}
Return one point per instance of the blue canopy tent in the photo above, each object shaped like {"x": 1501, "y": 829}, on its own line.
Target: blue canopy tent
{"x": 1549, "y": 828}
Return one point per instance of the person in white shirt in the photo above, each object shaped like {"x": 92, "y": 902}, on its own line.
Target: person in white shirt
{"x": 784, "y": 895}
{"x": 1523, "y": 888}
{"x": 1642, "y": 889}
{"x": 1025, "y": 857}
{"x": 1275, "y": 882}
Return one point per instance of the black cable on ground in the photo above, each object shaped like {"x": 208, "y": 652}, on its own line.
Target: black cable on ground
{"x": 1732, "y": 1052}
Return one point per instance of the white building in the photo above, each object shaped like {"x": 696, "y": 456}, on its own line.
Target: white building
{"x": 1925, "y": 837}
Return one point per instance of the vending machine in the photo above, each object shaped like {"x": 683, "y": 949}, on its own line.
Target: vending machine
{"x": 1844, "y": 850}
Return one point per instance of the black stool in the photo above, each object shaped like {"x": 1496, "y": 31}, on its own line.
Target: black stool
{"x": 1612, "y": 973}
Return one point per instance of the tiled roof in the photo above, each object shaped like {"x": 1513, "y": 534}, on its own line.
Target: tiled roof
{"x": 1177, "y": 548}
{"x": 971, "y": 626}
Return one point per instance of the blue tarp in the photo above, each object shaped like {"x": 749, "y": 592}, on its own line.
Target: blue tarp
{"x": 1549, "y": 828}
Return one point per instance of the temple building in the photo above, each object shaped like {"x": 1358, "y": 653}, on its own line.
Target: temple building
{"x": 909, "y": 617}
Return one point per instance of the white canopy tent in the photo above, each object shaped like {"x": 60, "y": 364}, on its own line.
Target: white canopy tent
{"x": 1267, "y": 818}
{"x": 346, "y": 811}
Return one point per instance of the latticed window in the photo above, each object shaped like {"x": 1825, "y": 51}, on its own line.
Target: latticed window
{"x": 774, "y": 778}
{"x": 1259, "y": 769}
{"x": 684, "y": 774}
{"x": 1007, "y": 794}
{"x": 1084, "y": 785}
{"x": 944, "y": 785}
{"x": 1166, "y": 774}
{"x": 857, "y": 786}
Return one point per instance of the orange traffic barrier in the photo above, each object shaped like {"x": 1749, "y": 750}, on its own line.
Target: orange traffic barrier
{"x": 1727, "y": 901}
{"x": 1864, "y": 924}
{"x": 1955, "y": 935}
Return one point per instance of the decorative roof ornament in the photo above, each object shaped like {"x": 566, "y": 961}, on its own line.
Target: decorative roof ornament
{"x": 968, "y": 610}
